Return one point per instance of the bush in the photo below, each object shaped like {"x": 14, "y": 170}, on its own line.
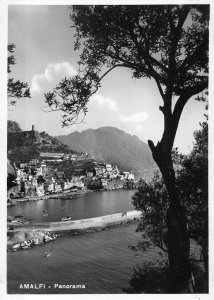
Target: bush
{"x": 152, "y": 278}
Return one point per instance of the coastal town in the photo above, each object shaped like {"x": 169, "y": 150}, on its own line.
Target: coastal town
{"x": 53, "y": 172}
{"x": 33, "y": 179}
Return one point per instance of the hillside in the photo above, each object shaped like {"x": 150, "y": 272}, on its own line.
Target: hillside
{"x": 112, "y": 145}
{"x": 26, "y": 145}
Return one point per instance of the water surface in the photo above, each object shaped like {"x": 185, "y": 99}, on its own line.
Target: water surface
{"x": 102, "y": 261}
{"x": 86, "y": 205}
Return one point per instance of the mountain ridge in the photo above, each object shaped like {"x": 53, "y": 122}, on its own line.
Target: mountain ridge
{"x": 112, "y": 145}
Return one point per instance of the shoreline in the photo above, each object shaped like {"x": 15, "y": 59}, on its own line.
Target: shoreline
{"x": 53, "y": 196}
{"x": 61, "y": 194}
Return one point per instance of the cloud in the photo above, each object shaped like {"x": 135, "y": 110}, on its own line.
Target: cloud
{"x": 53, "y": 72}
{"x": 139, "y": 127}
{"x": 103, "y": 102}
{"x": 137, "y": 118}
{"x": 108, "y": 106}
{"x": 134, "y": 121}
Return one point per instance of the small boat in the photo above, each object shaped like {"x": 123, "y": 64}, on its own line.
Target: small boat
{"x": 44, "y": 213}
{"x": 47, "y": 254}
{"x": 25, "y": 247}
{"x": 68, "y": 218}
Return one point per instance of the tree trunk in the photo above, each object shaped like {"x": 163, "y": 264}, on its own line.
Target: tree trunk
{"x": 180, "y": 280}
{"x": 178, "y": 252}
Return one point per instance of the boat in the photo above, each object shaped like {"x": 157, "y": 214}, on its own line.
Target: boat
{"x": 47, "y": 254}
{"x": 68, "y": 218}
{"x": 45, "y": 214}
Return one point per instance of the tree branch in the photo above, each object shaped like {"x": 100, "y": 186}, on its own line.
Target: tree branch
{"x": 145, "y": 55}
{"x": 184, "y": 13}
{"x": 109, "y": 70}
{"x": 172, "y": 26}
{"x": 135, "y": 66}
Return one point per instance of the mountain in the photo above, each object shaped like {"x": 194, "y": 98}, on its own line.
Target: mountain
{"x": 27, "y": 145}
{"x": 112, "y": 145}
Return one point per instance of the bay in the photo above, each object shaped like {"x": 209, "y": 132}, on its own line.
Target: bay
{"x": 82, "y": 206}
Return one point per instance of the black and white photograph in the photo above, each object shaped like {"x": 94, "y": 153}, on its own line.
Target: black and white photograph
{"x": 105, "y": 146}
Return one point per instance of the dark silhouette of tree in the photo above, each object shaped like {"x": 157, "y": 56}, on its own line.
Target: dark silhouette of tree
{"x": 11, "y": 181}
{"x": 168, "y": 44}
{"x": 13, "y": 126}
{"x": 15, "y": 88}
{"x": 192, "y": 182}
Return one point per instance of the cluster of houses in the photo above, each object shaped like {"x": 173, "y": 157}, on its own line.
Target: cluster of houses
{"x": 102, "y": 173}
{"x": 35, "y": 179}
{"x": 107, "y": 171}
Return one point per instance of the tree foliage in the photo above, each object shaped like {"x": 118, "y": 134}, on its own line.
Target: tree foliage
{"x": 192, "y": 182}
{"x": 13, "y": 126}
{"x": 152, "y": 278}
{"x": 11, "y": 181}
{"x": 152, "y": 200}
{"x": 15, "y": 88}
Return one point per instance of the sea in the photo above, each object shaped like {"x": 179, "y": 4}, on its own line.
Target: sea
{"x": 99, "y": 262}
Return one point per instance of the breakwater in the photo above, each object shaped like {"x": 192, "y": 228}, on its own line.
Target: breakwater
{"x": 80, "y": 225}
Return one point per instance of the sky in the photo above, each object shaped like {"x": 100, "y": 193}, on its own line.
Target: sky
{"x": 45, "y": 54}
